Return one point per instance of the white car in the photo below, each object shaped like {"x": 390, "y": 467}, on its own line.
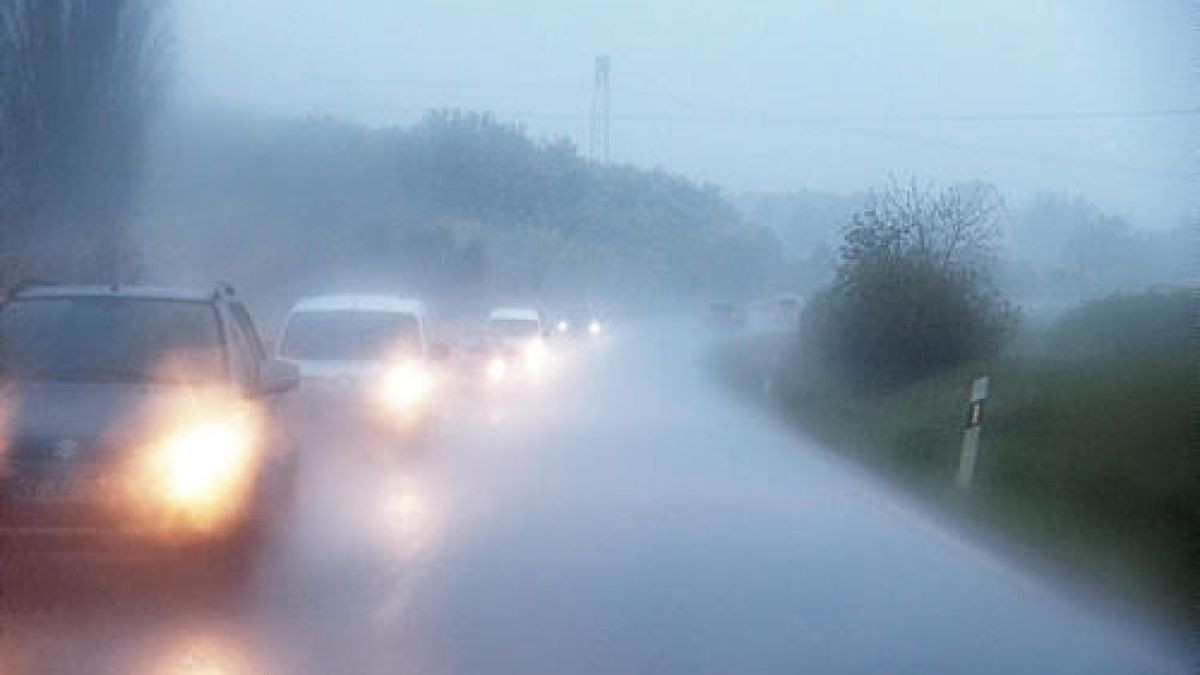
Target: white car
{"x": 371, "y": 352}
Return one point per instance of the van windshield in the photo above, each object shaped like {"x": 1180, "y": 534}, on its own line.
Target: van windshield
{"x": 514, "y": 328}
{"x": 351, "y": 335}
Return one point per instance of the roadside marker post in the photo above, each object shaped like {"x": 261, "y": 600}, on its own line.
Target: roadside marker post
{"x": 970, "y": 446}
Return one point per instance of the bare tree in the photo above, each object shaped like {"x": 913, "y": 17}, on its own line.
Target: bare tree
{"x": 79, "y": 80}
{"x": 952, "y": 227}
{"x": 913, "y": 293}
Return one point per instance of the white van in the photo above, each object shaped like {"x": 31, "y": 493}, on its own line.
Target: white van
{"x": 372, "y": 349}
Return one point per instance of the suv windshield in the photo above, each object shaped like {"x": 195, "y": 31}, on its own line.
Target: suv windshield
{"x": 351, "y": 335}
{"x": 110, "y": 339}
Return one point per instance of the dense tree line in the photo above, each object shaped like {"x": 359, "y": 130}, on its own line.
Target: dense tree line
{"x": 1066, "y": 247}
{"x": 1056, "y": 249}
{"x": 459, "y": 204}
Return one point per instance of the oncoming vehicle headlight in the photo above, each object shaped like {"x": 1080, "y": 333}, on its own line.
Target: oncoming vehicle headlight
{"x": 562, "y": 326}
{"x": 407, "y": 385}
{"x": 535, "y": 352}
{"x": 201, "y": 466}
{"x": 497, "y": 369}
{"x": 594, "y": 327}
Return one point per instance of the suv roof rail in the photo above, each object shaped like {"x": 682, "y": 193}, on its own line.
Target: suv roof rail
{"x": 223, "y": 289}
{"x": 22, "y": 285}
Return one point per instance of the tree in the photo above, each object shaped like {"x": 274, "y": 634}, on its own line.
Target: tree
{"x": 79, "y": 80}
{"x": 913, "y": 292}
{"x": 458, "y": 205}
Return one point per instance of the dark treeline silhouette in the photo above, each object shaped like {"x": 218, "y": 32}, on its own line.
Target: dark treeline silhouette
{"x": 459, "y": 205}
{"x": 79, "y": 81}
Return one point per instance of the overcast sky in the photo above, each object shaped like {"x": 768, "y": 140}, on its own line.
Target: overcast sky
{"x": 762, "y": 95}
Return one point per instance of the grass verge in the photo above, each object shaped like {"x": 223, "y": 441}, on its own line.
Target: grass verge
{"x": 1086, "y": 459}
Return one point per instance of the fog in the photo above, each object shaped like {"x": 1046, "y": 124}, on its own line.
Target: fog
{"x": 828, "y": 96}
{"x": 451, "y": 391}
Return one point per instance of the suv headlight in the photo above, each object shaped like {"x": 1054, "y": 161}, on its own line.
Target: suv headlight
{"x": 201, "y": 464}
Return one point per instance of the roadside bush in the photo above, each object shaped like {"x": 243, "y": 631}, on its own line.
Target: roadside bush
{"x": 1152, "y": 322}
{"x": 913, "y": 294}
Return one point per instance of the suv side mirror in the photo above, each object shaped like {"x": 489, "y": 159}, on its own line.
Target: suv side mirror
{"x": 276, "y": 376}
{"x": 439, "y": 351}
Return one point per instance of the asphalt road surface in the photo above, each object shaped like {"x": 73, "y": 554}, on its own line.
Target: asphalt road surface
{"x": 620, "y": 515}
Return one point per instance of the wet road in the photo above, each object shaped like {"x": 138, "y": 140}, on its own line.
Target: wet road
{"x": 622, "y": 515}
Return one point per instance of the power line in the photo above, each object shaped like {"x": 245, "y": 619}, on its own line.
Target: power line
{"x": 1013, "y": 116}
{"x": 532, "y": 85}
{"x": 845, "y": 124}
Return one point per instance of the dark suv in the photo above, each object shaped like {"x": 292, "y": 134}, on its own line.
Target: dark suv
{"x": 137, "y": 415}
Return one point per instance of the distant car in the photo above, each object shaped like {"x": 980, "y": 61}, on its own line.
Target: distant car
{"x": 369, "y": 355}
{"x": 578, "y": 322}
{"x": 521, "y": 335}
{"x": 727, "y": 315}
{"x": 135, "y": 417}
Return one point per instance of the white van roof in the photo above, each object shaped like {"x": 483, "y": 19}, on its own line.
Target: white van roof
{"x": 363, "y": 303}
{"x": 515, "y": 313}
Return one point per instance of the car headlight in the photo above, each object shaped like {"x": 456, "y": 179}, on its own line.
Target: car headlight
{"x": 562, "y": 326}
{"x": 535, "y": 351}
{"x": 497, "y": 369}
{"x": 407, "y": 385}
{"x": 202, "y": 465}
{"x": 594, "y": 328}
{"x": 537, "y": 356}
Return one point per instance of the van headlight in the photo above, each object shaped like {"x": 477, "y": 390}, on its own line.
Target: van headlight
{"x": 497, "y": 369}
{"x": 535, "y": 353}
{"x": 407, "y": 385}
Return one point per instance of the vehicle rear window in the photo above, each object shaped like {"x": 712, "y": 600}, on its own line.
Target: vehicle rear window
{"x": 350, "y": 335}
{"x": 111, "y": 339}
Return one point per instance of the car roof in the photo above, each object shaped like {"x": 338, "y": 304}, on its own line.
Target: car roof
{"x": 515, "y": 313}
{"x": 359, "y": 302}
{"x": 117, "y": 291}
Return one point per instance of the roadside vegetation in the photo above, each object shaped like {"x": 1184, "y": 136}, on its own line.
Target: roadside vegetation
{"x": 1088, "y": 445}
{"x": 913, "y": 292}
{"x": 1087, "y": 453}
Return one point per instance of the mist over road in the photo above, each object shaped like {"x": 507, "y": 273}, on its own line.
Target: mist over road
{"x": 622, "y": 515}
